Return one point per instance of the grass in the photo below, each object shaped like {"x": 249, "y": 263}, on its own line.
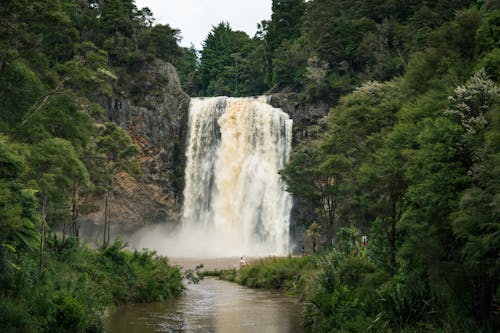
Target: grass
{"x": 291, "y": 274}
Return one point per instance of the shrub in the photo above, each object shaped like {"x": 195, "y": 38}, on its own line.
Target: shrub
{"x": 15, "y": 317}
{"x": 276, "y": 273}
{"x": 341, "y": 297}
{"x": 79, "y": 285}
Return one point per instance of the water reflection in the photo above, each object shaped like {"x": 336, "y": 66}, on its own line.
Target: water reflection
{"x": 212, "y": 306}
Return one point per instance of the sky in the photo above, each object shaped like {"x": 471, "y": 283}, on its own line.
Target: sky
{"x": 195, "y": 18}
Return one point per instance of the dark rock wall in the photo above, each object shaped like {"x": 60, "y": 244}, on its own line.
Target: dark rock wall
{"x": 153, "y": 108}
{"x": 305, "y": 115}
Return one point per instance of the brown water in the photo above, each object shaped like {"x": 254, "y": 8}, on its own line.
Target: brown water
{"x": 212, "y": 306}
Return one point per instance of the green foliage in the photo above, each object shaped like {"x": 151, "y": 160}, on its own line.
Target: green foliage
{"x": 53, "y": 162}
{"x": 409, "y": 158}
{"x": 341, "y": 297}
{"x": 187, "y": 67}
{"x": 290, "y": 274}
{"x": 14, "y": 317}
{"x": 58, "y": 59}
{"x": 116, "y": 145}
{"x": 415, "y": 168}
{"x": 17, "y": 204}
{"x": 411, "y": 305}
{"x": 78, "y": 286}
{"x": 227, "y": 63}
{"x": 289, "y": 64}
{"x": 325, "y": 48}
{"x": 285, "y": 21}
{"x": 20, "y": 90}
{"x": 140, "y": 276}
{"x": 161, "y": 41}
{"x": 60, "y": 117}
{"x": 223, "y": 274}
{"x": 195, "y": 275}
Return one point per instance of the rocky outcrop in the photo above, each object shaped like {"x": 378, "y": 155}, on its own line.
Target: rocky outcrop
{"x": 305, "y": 115}
{"x": 152, "y": 107}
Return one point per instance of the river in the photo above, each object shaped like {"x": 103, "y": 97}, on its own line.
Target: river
{"x": 212, "y": 306}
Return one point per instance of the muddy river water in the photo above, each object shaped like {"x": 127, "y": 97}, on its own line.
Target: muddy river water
{"x": 212, "y": 306}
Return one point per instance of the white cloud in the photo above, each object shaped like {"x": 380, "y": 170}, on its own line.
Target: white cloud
{"x": 195, "y": 18}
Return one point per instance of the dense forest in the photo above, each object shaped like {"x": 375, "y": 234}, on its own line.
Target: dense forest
{"x": 60, "y": 154}
{"x": 408, "y": 155}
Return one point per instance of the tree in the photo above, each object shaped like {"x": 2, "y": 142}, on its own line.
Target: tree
{"x": 18, "y": 215}
{"x": 162, "y": 42}
{"x": 289, "y": 64}
{"x": 314, "y": 234}
{"x": 187, "y": 68}
{"x": 52, "y": 165}
{"x": 117, "y": 16}
{"x": 285, "y": 24}
{"x": 72, "y": 123}
{"x": 118, "y": 153}
{"x": 475, "y": 222}
{"x": 219, "y": 62}
{"x": 309, "y": 175}
{"x": 20, "y": 88}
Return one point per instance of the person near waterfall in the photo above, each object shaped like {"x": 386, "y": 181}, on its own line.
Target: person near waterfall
{"x": 242, "y": 262}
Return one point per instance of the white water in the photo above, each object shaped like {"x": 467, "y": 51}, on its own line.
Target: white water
{"x": 235, "y": 202}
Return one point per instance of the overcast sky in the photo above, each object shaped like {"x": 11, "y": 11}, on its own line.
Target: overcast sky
{"x": 195, "y": 18}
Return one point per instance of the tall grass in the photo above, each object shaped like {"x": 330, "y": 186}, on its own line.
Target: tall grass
{"x": 291, "y": 274}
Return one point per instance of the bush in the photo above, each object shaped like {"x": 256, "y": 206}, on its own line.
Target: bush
{"x": 287, "y": 274}
{"x": 222, "y": 274}
{"x": 15, "y": 317}
{"x": 341, "y": 297}
{"x": 79, "y": 285}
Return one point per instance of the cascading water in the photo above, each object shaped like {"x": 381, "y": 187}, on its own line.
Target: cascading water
{"x": 234, "y": 198}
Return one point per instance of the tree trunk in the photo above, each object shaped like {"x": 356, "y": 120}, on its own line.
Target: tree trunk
{"x": 106, "y": 208}
{"x": 42, "y": 236}
{"x": 65, "y": 225}
{"x": 74, "y": 212}
{"x": 110, "y": 196}
{"x": 393, "y": 244}
{"x": 394, "y": 219}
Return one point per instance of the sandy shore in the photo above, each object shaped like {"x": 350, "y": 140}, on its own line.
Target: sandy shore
{"x": 213, "y": 263}
{"x": 208, "y": 263}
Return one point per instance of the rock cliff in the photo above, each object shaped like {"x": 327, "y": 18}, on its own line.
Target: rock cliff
{"x": 305, "y": 115}
{"x": 151, "y": 105}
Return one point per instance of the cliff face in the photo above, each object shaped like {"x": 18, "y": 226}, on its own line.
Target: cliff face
{"x": 304, "y": 115}
{"x": 152, "y": 107}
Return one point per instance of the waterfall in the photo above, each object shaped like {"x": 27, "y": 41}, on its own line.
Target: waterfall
{"x": 234, "y": 197}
